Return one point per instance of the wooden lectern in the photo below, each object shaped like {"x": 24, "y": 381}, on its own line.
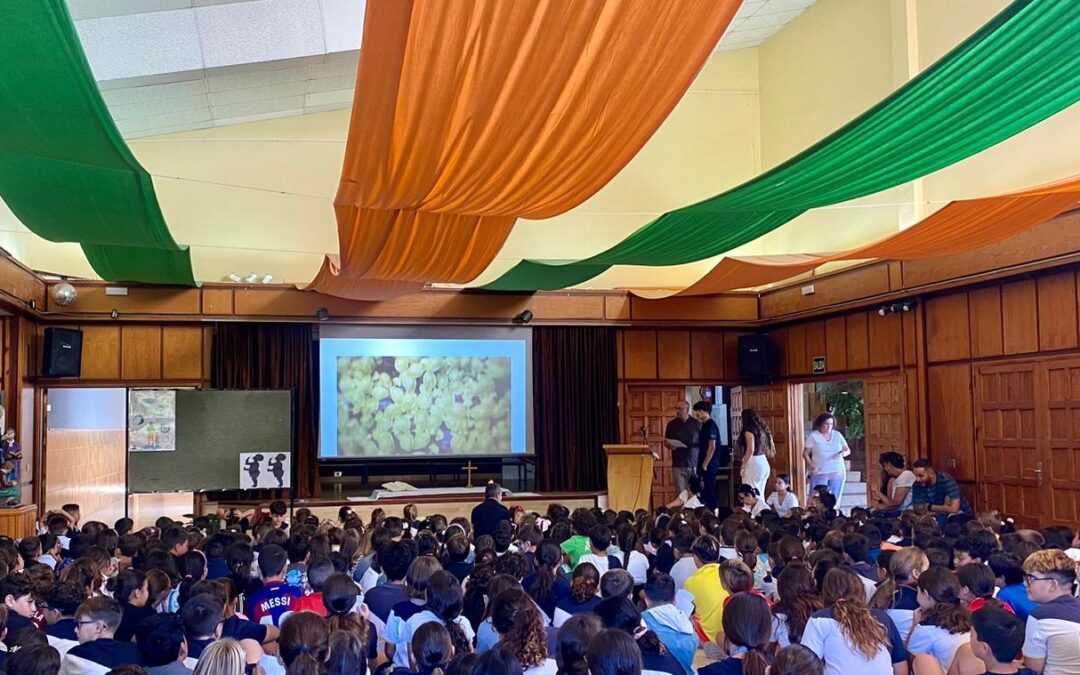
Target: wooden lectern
{"x": 629, "y": 476}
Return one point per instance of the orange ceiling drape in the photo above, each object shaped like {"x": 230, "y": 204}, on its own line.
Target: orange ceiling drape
{"x": 468, "y": 115}
{"x": 958, "y": 227}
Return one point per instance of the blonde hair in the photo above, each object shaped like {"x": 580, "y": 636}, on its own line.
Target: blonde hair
{"x": 843, "y": 591}
{"x": 223, "y": 657}
{"x": 736, "y": 576}
{"x": 902, "y": 567}
{"x": 1049, "y": 561}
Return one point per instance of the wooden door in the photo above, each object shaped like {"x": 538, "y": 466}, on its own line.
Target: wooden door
{"x": 650, "y": 408}
{"x": 771, "y": 403}
{"x": 1059, "y": 424}
{"x": 1007, "y": 441}
{"x": 885, "y": 423}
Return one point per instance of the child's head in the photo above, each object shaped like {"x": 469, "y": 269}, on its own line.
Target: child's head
{"x": 73, "y": 511}
{"x": 736, "y": 577}
{"x": 706, "y": 550}
{"x": 278, "y": 509}
{"x": 907, "y": 564}
{"x": 97, "y": 618}
{"x": 61, "y": 600}
{"x": 1049, "y": 574}
{"x": 782, "y": 482}
{"x": 202, "y": 615}
{"x": 996, "y": 636}
{"x": 175, "y": 540}
{"x": 419, "y": 576}
{"x": 18, "y": 595}
{"x": 616, "y": 584}
{"x": 273, "y": 560}
{"x": 599, "y": 539}
{"x": 976, "y": 581}
{"x": 748, "y": 495}
{"x": 318, "y": 572}
{"x": 659, "y": 590}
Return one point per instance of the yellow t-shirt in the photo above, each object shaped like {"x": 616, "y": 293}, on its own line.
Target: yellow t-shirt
{"x": 709, "y": 597}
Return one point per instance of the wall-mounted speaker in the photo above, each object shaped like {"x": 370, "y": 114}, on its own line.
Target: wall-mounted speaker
{"x": 63, "y": 352}
{"x": 755, "y": 356}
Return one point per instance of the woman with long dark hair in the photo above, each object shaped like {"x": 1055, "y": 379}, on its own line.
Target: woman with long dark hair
{"x": 444, "y": 605}
{"x": 756, "y": 447}
{"x": 824, "y": 451}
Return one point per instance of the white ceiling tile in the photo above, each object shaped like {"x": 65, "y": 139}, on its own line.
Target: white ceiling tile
{"x": 170, "y": 119}
{"x": 264, "y": 30}
{"x": 310, "y": 109}
{"x": 94, "y": 9}
{"x": 769, "y": 20}
{"x": 346, "y": 82}
{"x": 229, "y": 121}
{"x": 208, "y": 3}
{"x": 266, "y": 93}
{"x": 341, "y": 63}
{"x": 342, "y": 98}
{"x": 743, "y": 36}
{"x": 343, "y": 24}
{"x": 155, "y": 92}
{"x": 258, "y": 78}
{"x": 160, "y": 107}
{"x": 141, "y": 44}
{"x": 249, "y": 108}
{"x": 150, "y": 80}
{"x": 750, "y": 7}
{"x": 773, "y": 6}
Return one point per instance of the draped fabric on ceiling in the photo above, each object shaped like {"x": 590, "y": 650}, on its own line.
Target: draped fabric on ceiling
{"x": 65, "y": 171}
{"x": 575, "y": 405}
{"x": 1017, "y": 70}
{"x": 275, "y": 356}
{"x": 468, "y": 115}
{"x": 961, "y": 226}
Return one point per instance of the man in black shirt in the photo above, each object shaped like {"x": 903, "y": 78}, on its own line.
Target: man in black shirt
{"x": 683, "y": 429}
{"x": 708, "y": 452}
{"x": 486, "y": 516}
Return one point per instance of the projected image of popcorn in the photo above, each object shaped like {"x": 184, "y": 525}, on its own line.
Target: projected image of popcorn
{"x": 427, "y": 405}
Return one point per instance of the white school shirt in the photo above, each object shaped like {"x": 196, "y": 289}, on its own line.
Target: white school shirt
{"x": 904, "y": 480}
{"x": 682, "y": 570}
{"x": 937, "y": 642}
{"x": 827, "y": 455}
{"x": 1053, "y": 633}
{"x": 824, "y": 636}
{"x": 637, "y": 565}
{"x": 404, "y": 631}
{"x": 548, "y": 667}
{"x": 757, "y": 508}
{"x": 689, "y": 501}
{"x": 600, "y": 562}
{"x": 782, "y": 509}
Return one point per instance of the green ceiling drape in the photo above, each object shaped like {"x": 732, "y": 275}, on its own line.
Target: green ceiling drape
{"x": 65, "y": 171}
{"x": 1017, "y": 70}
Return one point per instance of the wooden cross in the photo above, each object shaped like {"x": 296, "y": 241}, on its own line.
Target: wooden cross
{"x": 469, "y": 468}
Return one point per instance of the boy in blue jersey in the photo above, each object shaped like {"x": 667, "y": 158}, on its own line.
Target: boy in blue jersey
{"x": 276, "y": 597}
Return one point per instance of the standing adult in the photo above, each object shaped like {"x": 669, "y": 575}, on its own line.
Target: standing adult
{"x": 487, "y": 515}
{"x": 683, "y": 429}
{"x": 824, "y": 451}
{"x": 708, "y": 452}
{"x": 756, "y": 448}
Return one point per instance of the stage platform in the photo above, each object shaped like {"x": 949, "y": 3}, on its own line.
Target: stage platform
{"x": 451, "y": 505}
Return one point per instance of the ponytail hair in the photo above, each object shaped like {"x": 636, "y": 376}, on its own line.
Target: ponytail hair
{"x": 432, "y": 648}
{"x": 548, "y": 558}
{"x": 747, "y": 622}
{"x": 339, "y": 598}
{"x": 585, "y": 583}
{"x": 736, "y": 576}
{"x": 446, "y": 601}
{"x": 516, "y": 618}
{"x": 574, "y": 638}
{"x": 628, "y": 541}
{"x": 304, "y": 643}
{"x": 843, "y": 591}
{"x": 746, "y": 544}
{"x": 902, "y": 567}
{"x": 124, "y": 584}
{"x": 192, "y": 568}
{"x": 943, "y": 587}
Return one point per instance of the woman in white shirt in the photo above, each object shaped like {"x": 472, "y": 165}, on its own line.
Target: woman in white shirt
{"x": 688, "y": 498}
{"x": 898, "y": 484}
{"x": 751, "y": 500}
{"x": 783, "y": 500}
{"x": 824, "y": 452}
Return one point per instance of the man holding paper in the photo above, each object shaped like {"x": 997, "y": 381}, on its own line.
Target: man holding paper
{"x": 681, "y": 437}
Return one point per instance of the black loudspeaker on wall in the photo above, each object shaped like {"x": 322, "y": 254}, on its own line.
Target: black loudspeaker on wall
{"x": 63, "y": 352}
{"x": 755, "y": 357}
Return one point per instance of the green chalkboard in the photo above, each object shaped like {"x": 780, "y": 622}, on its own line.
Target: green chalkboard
{"x": 213, "y": 428}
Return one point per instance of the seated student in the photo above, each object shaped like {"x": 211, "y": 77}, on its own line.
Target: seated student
{"x": 850, "y": 637}
{"x": 573, "y": 642}
{"x": 50, "y": 550}
{"x": 234, "y": 626}
{"x": 1052, "y": 643}
{"x": 521, "y": 631}
{"x": 160, "y": 640}
{"x": 97, "y": 652}
{"x": 275, "y": 598}
{"x": 339, "y": 597}
{"x": 18, "y": 595}
{"x": 783, "y": 499}
{"x": 857, "y": 547}
{"x": 545, "y": 586}
{"x": 176, "y": 541}
{"x": 976, "y": 548}
{"x": 129, "y": 588}
{"x": 996, "y": 638}
{"x": 798, "y": 600}
{"x": 58, "y": 609}
{"x": 396, "y": 633}
{"x": 751, "y": 500}
{"x": 895, "y": 494}
{"x": 583, "y": 596}
{"x": 599, "y": 543}
{"x": 671, "y": 624}
{"x": 457, "y": 555}
{"x": 395, "y": 559}
{"x": 318, "y": 572}
{"x": 747, "y": 627}
{"x": 977, "y": 587}
{"x": 581, "y": 521}
{"x": 630, "y": 557}
{"x": 685, "y": 565}
{"x": 898, "y": 595}
{"x": 278, "y": 510}
{"x": 690, "y": 498}
{"x": 432, "y": 650}
{"x": 203, "y": 616}
{"x": 823, "y": 503}
{"x": 796, "y": 660}
{"x": 1009, "y": 576}
{"x": 709, "y": 596}
{"x": 943, "y": 621}
{"x": 621, "y": 614}
{"x": 444, "y": 605}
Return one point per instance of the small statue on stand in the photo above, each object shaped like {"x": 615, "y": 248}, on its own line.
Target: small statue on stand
{"x": 11, "y": 450}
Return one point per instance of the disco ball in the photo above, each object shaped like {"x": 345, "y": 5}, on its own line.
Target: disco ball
{"x": 63, "y": 294}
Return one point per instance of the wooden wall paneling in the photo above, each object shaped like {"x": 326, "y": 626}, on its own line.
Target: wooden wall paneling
{"x": 139, "y": 300}
{"x": 771, "y": 403}
{"x": 836, "y": 344}
{"x": 141, "y": 356}
{"x": 911, "y": 405}
{"x": 208, "y": 341}
{"x": 673, "y": 354}
{"x": 1019, "y": 314}
{"x": 217, "y": 301}
{"x": 778, "y": 342}
{"x": 639, "y": 354}
{"x": 948, "y": 335}
{"x": 1058, "y": 394}
{"x": 620, "y": 359}
{"x": 886, "y": 422}
{"x": 858, "y": 342}
{"x": 725, "y": 307}
{"x": 797, "y": 361}
{"x": 617, "y": 307}
{"x": 951, "y": 420}
{"x": 707, "y": 353}
{"x": 182, "y": 352}
{"x": 844, "y": 286}
{"x": 651, "y": 408}
{"x": 731, "y": 356}
{"x": 101, "y": 352}
{"x": 907, "y": 327}
{"x": 984, "y": 305}
{"x": 886, "y": 341}
{"x": 815, "y": 343}
{"x": 1057, "y": 311}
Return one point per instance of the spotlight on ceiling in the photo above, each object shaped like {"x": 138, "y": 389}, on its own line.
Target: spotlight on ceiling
{"x": 524, "y": 317}
{"x": 908, "y": 305}
{"x": 114, "y": 314}
{"x": 883, "y": 310}
{"x": 322, "y": 314}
